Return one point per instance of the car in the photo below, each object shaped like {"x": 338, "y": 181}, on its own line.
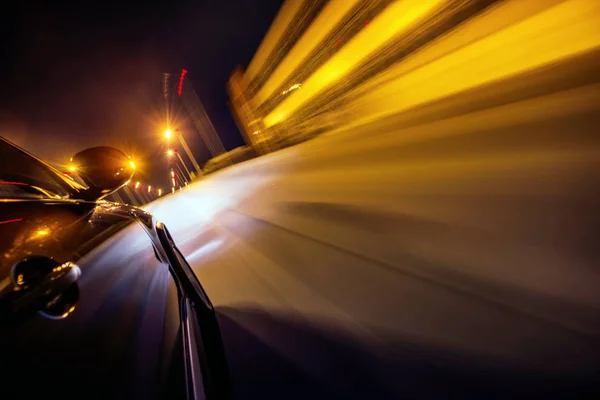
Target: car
{"x": 96, "y": 300}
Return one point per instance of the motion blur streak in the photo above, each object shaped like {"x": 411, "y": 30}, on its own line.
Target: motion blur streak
{"x": 561, "y": 32}
{"x": 332, "y": 13}
{"x": 450, "y": 244}
{"x": 395, "y": 19}
{"x": 206, "y": 249}
{"x": 287, "y": 11}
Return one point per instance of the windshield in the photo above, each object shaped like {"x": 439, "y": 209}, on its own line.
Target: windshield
{"x": 23, "y": 176}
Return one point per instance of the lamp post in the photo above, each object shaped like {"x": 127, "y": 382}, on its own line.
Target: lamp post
{"x": 169, "y": 133}
{"x": 171, "y": 153}
{"x": 173, "y": 182}
{"x": 182, "y": 175}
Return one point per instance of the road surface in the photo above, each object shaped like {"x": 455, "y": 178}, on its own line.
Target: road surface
{"x": 444, "y": 257}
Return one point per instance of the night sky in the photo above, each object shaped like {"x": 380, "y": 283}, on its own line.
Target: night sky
{"x": 89, "y": 73}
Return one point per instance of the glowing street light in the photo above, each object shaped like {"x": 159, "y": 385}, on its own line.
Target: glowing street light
{"x": 42, "y": 232}
{"x": 172, "y": 152}
{"x": 177, "y": 135}
{"x": 160, "y": 192}
{"x": 132, "y": 164}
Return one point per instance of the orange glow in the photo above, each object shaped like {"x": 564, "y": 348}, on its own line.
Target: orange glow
{"x": 41, "y": 233}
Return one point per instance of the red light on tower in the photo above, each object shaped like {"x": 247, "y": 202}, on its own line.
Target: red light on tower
{"x": 181, "y": 77}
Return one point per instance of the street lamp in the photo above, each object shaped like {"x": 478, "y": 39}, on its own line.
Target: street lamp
{"x": 169, "y": 133}
{"x": 170, "y": 153}
{"x": 182, "y": 175}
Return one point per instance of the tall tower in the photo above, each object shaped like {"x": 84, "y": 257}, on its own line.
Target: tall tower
{"x": 167, "y": 87}
{"x": 201, "y": 120}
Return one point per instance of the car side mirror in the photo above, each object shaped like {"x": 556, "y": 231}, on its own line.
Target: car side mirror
{"x": 104, "y": 169}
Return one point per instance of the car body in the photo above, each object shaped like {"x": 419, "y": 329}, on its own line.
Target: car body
{"x": 96, "y": 300}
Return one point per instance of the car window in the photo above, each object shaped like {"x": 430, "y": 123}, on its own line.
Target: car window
{"x": 23, "y": 176}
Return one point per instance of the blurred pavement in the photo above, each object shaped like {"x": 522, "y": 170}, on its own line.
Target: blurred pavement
{"x": 450, "y": 252}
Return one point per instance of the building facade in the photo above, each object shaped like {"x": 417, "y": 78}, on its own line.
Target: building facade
{"x": 317, "y": 53}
